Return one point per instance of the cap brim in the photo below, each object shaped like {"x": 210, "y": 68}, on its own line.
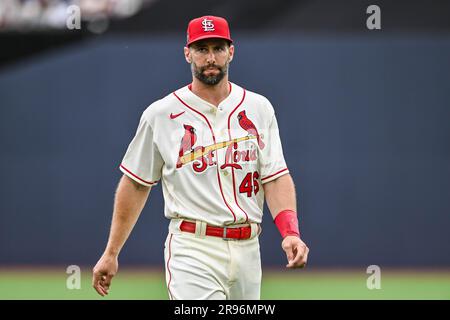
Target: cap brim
{"x": 208, "y": 37}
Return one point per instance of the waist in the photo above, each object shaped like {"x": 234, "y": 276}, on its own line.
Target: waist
{"x": 226, "y": 233}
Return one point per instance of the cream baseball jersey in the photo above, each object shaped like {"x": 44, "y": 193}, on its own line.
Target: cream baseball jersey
{"x": 212, "y": 161}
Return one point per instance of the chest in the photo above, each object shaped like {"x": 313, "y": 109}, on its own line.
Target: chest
{"x": 221, "y": 137}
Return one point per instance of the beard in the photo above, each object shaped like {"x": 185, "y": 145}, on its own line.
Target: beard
{"x": 210, "y": 80}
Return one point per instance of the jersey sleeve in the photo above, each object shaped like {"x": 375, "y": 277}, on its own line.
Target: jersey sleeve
{"x": 142, "y": 161}
{"x": 273, "y": 164}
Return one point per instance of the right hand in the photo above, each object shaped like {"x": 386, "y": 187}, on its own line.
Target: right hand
{"x": 103, "y": 272}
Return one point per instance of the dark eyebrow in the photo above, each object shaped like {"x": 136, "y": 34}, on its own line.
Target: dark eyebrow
{"x": 199, "y": 46}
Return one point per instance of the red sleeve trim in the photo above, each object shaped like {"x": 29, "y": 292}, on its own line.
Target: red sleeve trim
{"x": 274, "y": 174}
{"x": 147, "y": 182}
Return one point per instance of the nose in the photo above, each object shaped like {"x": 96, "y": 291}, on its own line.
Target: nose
{"x": 211, "y": 59}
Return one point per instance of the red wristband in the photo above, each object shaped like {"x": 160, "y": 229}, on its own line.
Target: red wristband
{"x": 287, "y": 223}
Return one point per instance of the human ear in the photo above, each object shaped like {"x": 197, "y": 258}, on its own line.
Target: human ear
{"x": 187, "y": 55}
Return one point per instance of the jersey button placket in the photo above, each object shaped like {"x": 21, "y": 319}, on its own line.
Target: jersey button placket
{"x": 223, "y": 136}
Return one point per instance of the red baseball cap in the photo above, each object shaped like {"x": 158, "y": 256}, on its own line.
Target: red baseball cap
{"x": 207, "y": 27}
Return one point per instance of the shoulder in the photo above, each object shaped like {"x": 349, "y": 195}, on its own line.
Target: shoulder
{"x": 260, "y": 101}
{"x": 158, "y": 108}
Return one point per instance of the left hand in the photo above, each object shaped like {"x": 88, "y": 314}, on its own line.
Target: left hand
{"x": 296, "y": 252}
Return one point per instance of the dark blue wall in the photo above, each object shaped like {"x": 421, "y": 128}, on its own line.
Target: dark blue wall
{"x": 364, "y": 122}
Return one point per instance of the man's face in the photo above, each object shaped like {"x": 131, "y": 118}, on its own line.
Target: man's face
{"x": 209, "y": 59}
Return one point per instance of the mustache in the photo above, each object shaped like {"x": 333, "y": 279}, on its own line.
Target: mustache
{"x": 210, "y": 66}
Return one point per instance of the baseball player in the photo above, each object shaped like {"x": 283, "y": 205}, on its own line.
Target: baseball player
{"x": 216, "y": 150}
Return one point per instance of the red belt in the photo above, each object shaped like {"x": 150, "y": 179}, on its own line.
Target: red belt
{"x": 222, "y": 232}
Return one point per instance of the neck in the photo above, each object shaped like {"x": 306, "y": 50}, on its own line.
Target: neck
{"x": 213, "y": 94}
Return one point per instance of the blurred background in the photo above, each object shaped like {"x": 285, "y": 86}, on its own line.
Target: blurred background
{"x": 363, "y": 114}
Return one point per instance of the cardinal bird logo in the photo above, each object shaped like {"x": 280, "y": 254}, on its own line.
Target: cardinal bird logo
{"x": 249, "y": 126}
{"x": 187, "y": 142}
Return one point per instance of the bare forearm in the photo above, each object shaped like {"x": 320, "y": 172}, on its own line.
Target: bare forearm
{"x": 129, "y": 201}
{"x": 280, "y": 194}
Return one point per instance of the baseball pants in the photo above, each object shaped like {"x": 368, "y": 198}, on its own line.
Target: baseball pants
{"x": 200, "y": 267}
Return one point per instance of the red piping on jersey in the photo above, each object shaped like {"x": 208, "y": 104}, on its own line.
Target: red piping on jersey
{"x": 232, "y": 168}
{"x": 214, "y": 139}
{"x": 274, "y": 174}
{"x": 170, "y": 274}
{"x": 148, "y": 182}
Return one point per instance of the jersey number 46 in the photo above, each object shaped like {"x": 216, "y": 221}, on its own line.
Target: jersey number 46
{"x": 250, "y": 184}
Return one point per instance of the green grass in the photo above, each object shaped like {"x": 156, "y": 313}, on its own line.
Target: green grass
{"x": 297, "y": 284}
{"x": 352, "y": 285}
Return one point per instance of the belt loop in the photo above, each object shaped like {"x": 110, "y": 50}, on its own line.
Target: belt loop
{"x": 200, "y": 229}
{"x": 224, "y": 235}
{"x": 255, "y": 230}
{"x": 174, "y": 225}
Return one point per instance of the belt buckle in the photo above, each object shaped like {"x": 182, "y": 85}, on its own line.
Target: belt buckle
{"x": 224, "y": 235}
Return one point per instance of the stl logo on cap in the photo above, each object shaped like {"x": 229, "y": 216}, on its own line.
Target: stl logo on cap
{"x": 207, "y": 25}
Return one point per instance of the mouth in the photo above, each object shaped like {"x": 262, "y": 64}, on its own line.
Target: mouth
{"x": 211, "y": 72}
{"x": 211, "y": 69}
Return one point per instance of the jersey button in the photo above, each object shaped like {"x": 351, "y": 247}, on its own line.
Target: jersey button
{"x": 225, "y": 173}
